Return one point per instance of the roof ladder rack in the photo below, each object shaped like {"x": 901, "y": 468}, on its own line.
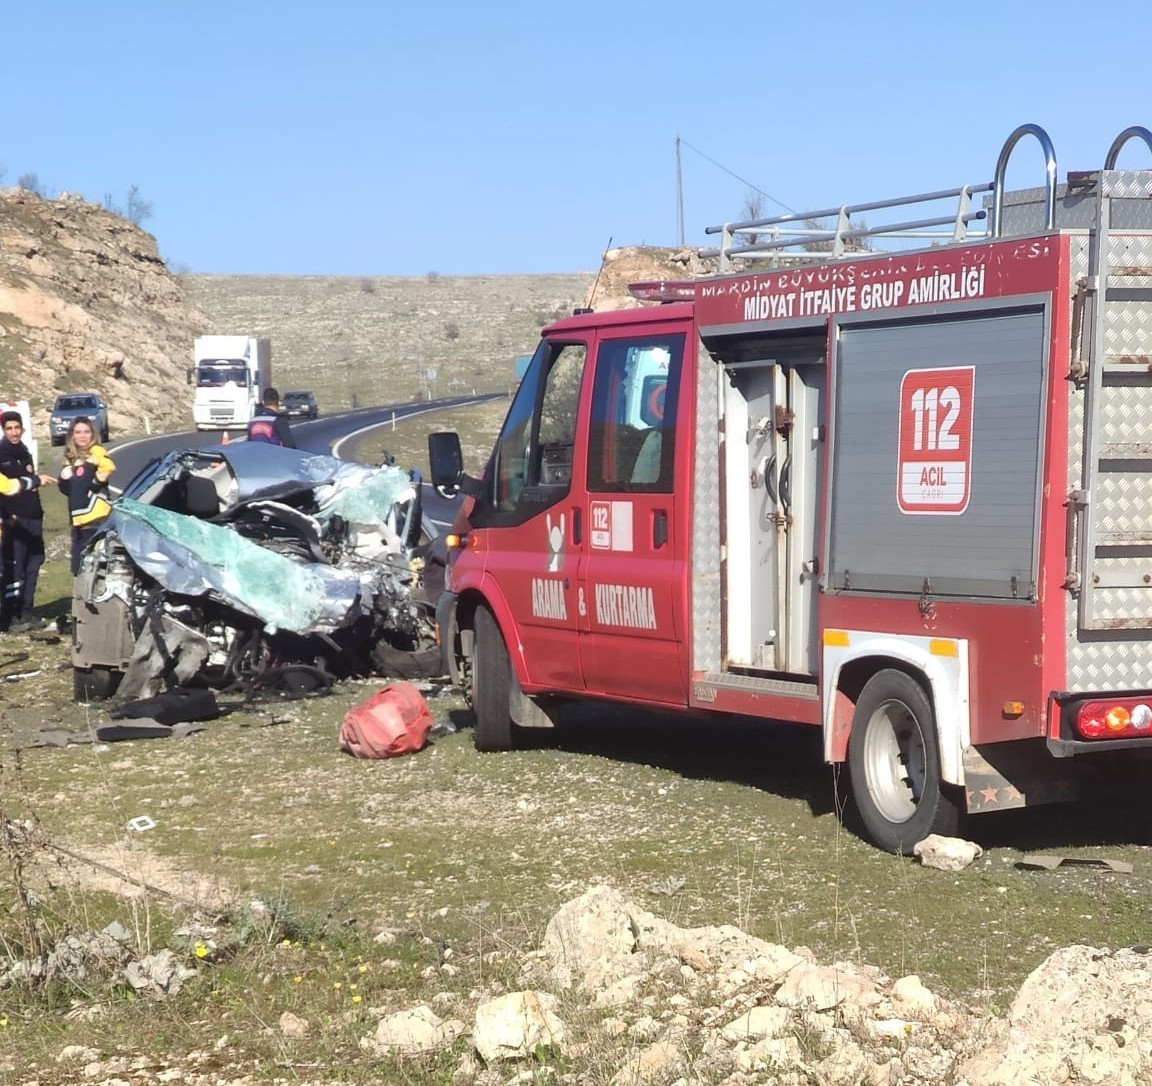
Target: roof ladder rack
{"x": 786, "y": 240}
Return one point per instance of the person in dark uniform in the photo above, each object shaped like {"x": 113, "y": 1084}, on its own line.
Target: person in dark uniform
{"x": 22, "y": 542}
{"x": 269, "y": 425}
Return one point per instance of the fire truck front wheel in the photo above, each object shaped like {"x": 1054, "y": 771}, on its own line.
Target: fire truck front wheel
{"x": 492, "y": 680}
{"x": 894, "y": 765}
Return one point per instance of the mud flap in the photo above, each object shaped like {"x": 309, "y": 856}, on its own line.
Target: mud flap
{"x": 1003, "y": 776}
{"x": 525, "y": 712}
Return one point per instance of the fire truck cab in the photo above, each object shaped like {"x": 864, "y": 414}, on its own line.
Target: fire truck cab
{"x": 903, "y": 495}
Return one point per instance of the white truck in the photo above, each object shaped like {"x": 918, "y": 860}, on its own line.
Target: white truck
{"x": 230, "y": 374}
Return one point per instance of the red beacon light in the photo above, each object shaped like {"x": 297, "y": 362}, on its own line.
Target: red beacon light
{"x": 1123, "y": 718}
{"x": 663, "y": 290}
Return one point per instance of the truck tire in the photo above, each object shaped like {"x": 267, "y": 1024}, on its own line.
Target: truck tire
{"x": 894, "y": 765}
{"x": 94, "y": 683}
{"x": 491, "y": 685}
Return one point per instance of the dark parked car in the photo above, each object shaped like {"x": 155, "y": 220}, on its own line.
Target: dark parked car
{"x": 300, "y": 405}
{"x": 76, "y": 405}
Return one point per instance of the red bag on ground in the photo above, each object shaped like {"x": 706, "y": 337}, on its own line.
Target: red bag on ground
{"x": 392, "y": 721}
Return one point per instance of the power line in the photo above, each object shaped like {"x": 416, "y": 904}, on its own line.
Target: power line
{"x": 731, "y": 173}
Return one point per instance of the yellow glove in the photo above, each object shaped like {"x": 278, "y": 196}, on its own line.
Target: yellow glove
{"x": 98, "y": 458}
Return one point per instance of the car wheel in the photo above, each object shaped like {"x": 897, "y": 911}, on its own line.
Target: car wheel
{"x": 57, "y": 441}
{"x": 491, "y": 685}
{"x": 104, "y": 434}
{"x": 894, "y": 765}
{"x": 94, "y": 683}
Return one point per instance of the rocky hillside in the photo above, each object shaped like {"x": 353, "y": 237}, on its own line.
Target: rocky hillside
{"x": 86, "y": 303}
{"x": 390, "y": 339}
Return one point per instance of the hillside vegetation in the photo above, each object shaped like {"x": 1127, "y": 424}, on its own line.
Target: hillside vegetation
{"x": 362, "y": 341}
{"x": 88, "y": 304}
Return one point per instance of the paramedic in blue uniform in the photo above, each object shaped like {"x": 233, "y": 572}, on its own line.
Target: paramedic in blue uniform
{"x": 269, "y": 425}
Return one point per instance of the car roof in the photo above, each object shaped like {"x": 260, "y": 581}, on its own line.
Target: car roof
{"x": 262, "y": 470}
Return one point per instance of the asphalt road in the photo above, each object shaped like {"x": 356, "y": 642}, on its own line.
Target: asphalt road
{"x": 327, "y": 435}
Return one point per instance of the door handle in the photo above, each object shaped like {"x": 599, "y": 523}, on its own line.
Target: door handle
{"x": 786, "y": 485}
{"x": 770, "y": 478}
{"x": 659, "y": 529}
{"x": 577, "y": 527}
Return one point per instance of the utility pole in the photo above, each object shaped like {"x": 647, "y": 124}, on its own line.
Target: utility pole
{"x": 679, "y": 191}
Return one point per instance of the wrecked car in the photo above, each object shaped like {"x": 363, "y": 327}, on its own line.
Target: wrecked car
{"x": 246, "y": 565}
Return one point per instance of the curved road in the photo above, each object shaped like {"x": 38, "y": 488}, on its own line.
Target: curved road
{"x": 325, "y": 435}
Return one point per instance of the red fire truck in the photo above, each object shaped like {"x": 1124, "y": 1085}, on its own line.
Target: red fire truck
{"x": 901, "y": 494}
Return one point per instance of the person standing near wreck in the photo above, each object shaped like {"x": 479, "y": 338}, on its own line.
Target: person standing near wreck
{"x": 84, "y": 482}
{"x": 269, "y": 425}
{"x": 22, "y": 537}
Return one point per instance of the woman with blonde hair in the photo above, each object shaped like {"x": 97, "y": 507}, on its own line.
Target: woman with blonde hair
{"x": 84, "y": 481}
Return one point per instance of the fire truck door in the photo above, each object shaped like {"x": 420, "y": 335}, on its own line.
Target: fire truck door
{"x": 632, "y": 569}
{"x": 533, "y": 556}
{"x": 773, "y": 473}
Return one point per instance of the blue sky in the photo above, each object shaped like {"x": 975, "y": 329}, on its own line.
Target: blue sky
{"x": 517, "y": 136}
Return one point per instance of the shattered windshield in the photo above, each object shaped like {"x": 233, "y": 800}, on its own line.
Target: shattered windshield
{"x": 194, "y": 558}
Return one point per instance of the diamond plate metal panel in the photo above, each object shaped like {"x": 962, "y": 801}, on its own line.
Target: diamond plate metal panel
{"x": 1111, "y": 664}
{"x": 1023, "y": 210}
{"x": 706, "y": 585}
{"x": 1127, "y": 184}
{"x": 1124, "y": 416}
{"x": 1128, "y": 312}
{"x": 1117, "y": 652}
{"x": 1124, "y": 509}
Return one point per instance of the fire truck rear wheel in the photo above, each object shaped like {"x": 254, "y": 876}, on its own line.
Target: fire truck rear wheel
{"x": 894, "y": 765}
{"x": 491, "y": 685}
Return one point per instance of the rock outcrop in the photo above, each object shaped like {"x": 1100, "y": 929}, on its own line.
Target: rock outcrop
{"x": 87, "y": 304}
{"x": 640, "y": 264}
{"x": 645, "y": 1000}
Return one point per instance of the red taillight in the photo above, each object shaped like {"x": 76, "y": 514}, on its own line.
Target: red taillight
{"x": 663, "y": 290}
{"x": 1119, "y": 719}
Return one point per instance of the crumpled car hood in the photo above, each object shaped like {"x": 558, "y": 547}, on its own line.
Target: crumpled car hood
{"x": 194, "y": 558}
